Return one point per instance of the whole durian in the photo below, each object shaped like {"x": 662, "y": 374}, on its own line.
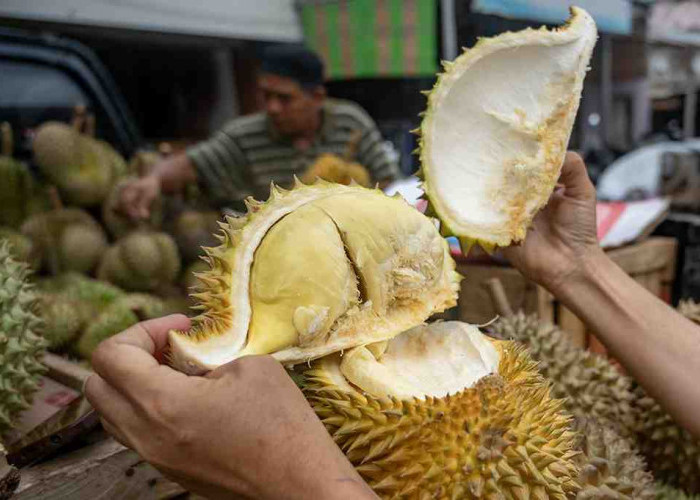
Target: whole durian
{"x": 611, "y": 465}
{"x": 63, "y": 319}
{"x": 21, "y": 344}
{"x": 319, "y": 267}
{"x": 673, "y": 454}
{"x": 333, "y": 168}
{"x": 118, "y": 316}
{"x": 119, "y": 224}
{"x": 94, "y": 294}
{"x": 141, "y": 261}
{"x": 67, "y": 239}
{"x": 81, "y": 167}
{"x": 496, "y": 129}
{"x": 441, "y": 412}
{"x": 589, "y": 384}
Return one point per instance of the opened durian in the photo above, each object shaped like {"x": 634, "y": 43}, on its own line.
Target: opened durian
{"x": 497, "y": 126}
{"x": 441, "y": 412}
{"x": 141, "y": 261}
{"x": 67, "y": 239}
{"x": 316, "y": 270}
{"x": 21, "y": 344}
{"x": 589, "y": 384}
{"x": 81, "y": 167}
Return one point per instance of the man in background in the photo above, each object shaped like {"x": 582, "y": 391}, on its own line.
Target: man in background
{"x": 298, "y": 124}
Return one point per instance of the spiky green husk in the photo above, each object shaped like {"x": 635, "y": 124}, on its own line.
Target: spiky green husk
{"x": 611, "y": 466}
{"x": 78, "y": 287}
{"x": 21, "y": 247}
{"x": 503, "y": 438}
{"x": 672, "y": 453}
{"x": 67, "y": 240}
{"x": 117, "y": 317}
{"x": 63, "y": 319}
{"x": 21, "y": 344}
{"x": 665, "y": 492}
{"x": 142, "y": 261}
{"x": 118, "y": 224}
{"x": 590, "y": 385}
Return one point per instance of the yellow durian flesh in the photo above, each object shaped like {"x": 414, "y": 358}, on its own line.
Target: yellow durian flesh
{"x": 343, "y": 266}
{"x": 497, "y": 126}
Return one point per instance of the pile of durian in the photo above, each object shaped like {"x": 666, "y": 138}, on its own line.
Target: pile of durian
{"x": 95, "y": 271}
{"x": 339, "y": 283}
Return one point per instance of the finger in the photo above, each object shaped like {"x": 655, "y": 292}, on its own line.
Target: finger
{"x": 115, "y": 433}
{"x": 108, "y": 402}
{"x": 128, "y": 361}
{"x": 574, "y": 177}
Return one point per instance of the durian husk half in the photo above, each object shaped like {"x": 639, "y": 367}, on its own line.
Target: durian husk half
{"x": 315, "y": 270}
{"x": 441, "y": 411}
{"x": 497, "y": 126}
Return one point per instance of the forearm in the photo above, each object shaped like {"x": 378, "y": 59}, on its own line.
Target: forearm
{"x": 658, "y": 346}
{"x": 175, "y": 173}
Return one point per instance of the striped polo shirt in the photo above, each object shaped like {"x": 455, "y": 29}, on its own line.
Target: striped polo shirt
{"x": 247, "y": 154}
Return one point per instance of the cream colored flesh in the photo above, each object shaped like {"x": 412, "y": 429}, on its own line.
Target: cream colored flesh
{"x": 328, "y": 275}
{"x": 497, "y": 127}
{"x": 427, "y": 361}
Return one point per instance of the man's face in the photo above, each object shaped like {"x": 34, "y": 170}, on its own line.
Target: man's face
{"x": 292, "y": 109}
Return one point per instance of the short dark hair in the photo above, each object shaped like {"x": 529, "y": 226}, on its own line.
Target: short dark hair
{"x": 295, "y": 62}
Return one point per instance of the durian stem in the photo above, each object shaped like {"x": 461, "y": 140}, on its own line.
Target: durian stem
{"x": 499, "y": 297}
{"x": 78, "y": 121}
{"x": 7, "y": 143}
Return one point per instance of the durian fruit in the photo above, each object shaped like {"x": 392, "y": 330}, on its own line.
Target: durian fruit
{"x": 690, "y": 309}
{"x": 665, "y": 492}
{"x": 194, "y": 229}
{"x": 21, "y": 344}
{"x": 497, "y": 126}
{"x": 326, "y": 267}
{"x": 333, "y": 168}
{"x": 440, "y": 411}
{"x": 189, "y": 280}
{"x": 589, "y": 384}
{"x": 63, "y": 319}
{"x": 673, "y": 454}
{"x": 19, "y": 196}
{"x": 67, "y": 239}
{"x": 141, "y": 261}
{"x": 611, "y": 466}
{"x": 79, "y": 288}
{"x": 123, "y": 313}
{"x": 22, "y": 248}
{"x": 119, "y": 224}
{"x": 81, "y": 167}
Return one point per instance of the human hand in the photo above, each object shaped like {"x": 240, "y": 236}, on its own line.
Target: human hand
{"x": 136, "y": 198}
{"x": 242, "y": 431}
{"x": 563, "y": 236}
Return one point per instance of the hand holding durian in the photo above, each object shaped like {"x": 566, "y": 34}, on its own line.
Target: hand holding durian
{"x": 336, "y": 282}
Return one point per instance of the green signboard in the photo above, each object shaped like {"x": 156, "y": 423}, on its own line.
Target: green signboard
{"x": 373, "y": 38}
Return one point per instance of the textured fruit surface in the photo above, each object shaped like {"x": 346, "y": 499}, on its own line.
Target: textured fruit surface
{"x": 67, "y": 240}
{"x": 21, "y": 343}
{"x": 316, "y": 270}
{"x": 118, "y": 316}
{"x": 141, "y": 261}
{"x": 16, "y": 192}
{"x": 21, "y": 247}
{"x": 497, "y": 126}
{"x": 63, "y": 319}
{"x": 672, "y": 453}
{"x": 589, "y": 384}
{"x": 82, "y": 168}
{"x": 611, "y": 466}
{"x": 502, "y": 436}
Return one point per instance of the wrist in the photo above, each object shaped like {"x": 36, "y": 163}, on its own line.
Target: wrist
{"x": 583, "y": 270}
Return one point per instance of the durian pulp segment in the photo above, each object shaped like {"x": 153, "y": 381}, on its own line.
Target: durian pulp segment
{"x": 316, "y": 270}
{"x": 426, "y": 361}
{"x": 497, "y": 127}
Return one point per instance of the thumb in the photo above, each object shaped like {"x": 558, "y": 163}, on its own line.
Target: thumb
{"x": 574, "y": 178}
